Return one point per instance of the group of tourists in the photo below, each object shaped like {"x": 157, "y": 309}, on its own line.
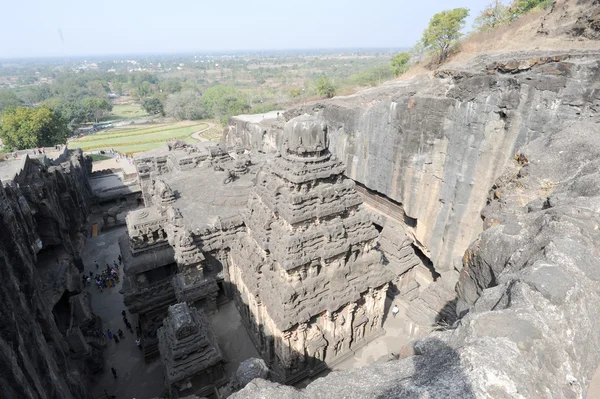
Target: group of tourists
{"x": 119, "y": 335}
{"x": 109, "y": 277}
{"x": 118, "y": 155}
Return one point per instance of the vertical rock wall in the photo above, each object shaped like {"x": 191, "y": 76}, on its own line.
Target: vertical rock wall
{"x": 436, "y": 144}
{"x": 34, "y": 356}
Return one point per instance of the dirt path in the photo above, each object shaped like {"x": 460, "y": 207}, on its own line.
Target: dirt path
{"x": 196, "y": 135}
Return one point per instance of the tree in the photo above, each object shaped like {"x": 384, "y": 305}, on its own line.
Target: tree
{"x": 33, "y": 95}
{"x": 294, "y": 92}
{"x": 520, "y": 7}
{"x": 98, "y": 88}
{"x": 22, "y": 128}
{"x": 185, "y": 105}
{"x": 221, "y": 102}
{"x": 117, "y": 87}
{"x": 495, "y": 14}
{"x": 372, "y": 76}
{"x": 74, "y": 112}
{"x": 8, "y": 99}
{"x": 444, "y": 31}
{"x": 400, "y": 63}
{"x": 153, "y": 106}
{"x": 325, "y": 88}
{"x": 170, "y": 86}
{"x": 96, "y": 108}
{"x": 144, "y": 89}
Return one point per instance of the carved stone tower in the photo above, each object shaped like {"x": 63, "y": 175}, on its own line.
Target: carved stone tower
{"x": 310, "y": 281}
{"x": 189, "y": 352}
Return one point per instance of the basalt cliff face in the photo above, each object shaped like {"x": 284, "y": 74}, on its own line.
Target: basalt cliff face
{"x": 43, "y": 207}
{"x": 437, "y": 143}
{"x": 497, "y": 160}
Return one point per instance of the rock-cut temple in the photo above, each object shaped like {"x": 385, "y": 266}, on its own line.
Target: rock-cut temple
{"x": 285, "y": 235}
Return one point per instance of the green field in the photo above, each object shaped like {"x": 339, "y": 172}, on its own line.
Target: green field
{"x": 97, "y": 157}
{"x": 130, "y": 139}
{"x": 125, "y": 111}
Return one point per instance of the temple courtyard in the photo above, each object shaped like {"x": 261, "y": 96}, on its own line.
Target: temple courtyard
{"x": 140, "y": 380}
{"x": 136, "y": 378}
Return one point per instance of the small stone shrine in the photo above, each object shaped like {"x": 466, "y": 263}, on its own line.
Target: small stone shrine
{"x": 189, "y": 352}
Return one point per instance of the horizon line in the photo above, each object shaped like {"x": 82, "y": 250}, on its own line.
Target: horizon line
{"x": 199, "y": 52}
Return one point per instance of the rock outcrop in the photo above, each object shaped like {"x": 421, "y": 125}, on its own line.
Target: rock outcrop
{"x": 42, "y": 210}
{"x": 529, "y": 287}
{"x": 498, "y": 163}
{"x": 436, "y": 144}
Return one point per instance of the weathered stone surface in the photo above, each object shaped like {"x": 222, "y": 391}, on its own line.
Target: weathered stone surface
{"x": 189, "y": 352}
{"x": 437, "y": 143}
{"x": 311, "y": 284}
{"x": 528, "y": 288}
{"x": 42, "y": 211}
{"x": 526, "y": 126}
{"x": 249, "y": 370}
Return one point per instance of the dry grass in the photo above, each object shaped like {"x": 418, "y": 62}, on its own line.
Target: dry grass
{"x": 520, "y": 35}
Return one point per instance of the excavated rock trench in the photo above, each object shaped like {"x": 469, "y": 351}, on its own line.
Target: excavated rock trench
{"x": 489, "y": 170}
{"x": 493, "y": 169}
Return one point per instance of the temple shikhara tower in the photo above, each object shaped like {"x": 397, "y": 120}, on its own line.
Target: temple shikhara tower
{"x": 189, "y": 351}
{"x": 310, "y": 282}
{"x": 284, "y": 234}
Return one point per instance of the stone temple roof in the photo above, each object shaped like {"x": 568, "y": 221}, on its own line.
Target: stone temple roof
{"x": 202, "y": 197}
{"x": 311, "y": 246}
{"x": 187, "y": 344}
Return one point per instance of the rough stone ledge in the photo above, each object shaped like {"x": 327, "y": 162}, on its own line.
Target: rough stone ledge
{"x": 528, "y": 290}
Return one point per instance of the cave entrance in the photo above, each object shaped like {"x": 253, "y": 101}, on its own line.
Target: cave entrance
{"x": 62, "y": 312}
{"x": 425, "y": 261}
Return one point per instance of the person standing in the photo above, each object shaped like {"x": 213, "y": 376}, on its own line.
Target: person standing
{"x": 114, "y": 372}
{"x": 120, "y": 259}
{"x": 138, "y": 343}
{"x": 395, "y": 310}
{"x": 109, "y": 334}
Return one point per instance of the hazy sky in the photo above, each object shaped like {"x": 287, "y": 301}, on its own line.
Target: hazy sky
{"x": 31, "y": 28}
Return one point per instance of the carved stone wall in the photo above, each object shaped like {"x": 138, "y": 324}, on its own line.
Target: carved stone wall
{"x": 310, "y": 283}
{"x": 191, "y": 357}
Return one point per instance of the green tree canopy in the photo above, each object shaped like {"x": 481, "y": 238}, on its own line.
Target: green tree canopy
{"x": 153, "y": 106}
{"x": 8, "y": 99}
{"x": 170, "y": 85}
{"x": 520, "y": 7}
{"x": 324, "y": 87}
{"x": 400, "y": 63}
{"x": 96, "y": 108}
{"x": 495, "y": 14}
{"x": 187, "y": 104}
{"x": 221, "y": 102}
{"x": 444, "y": 31}
{"x": 22, "y": 128}
{"x": 294, "y": 92}
{"x": 372, "y": 76}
